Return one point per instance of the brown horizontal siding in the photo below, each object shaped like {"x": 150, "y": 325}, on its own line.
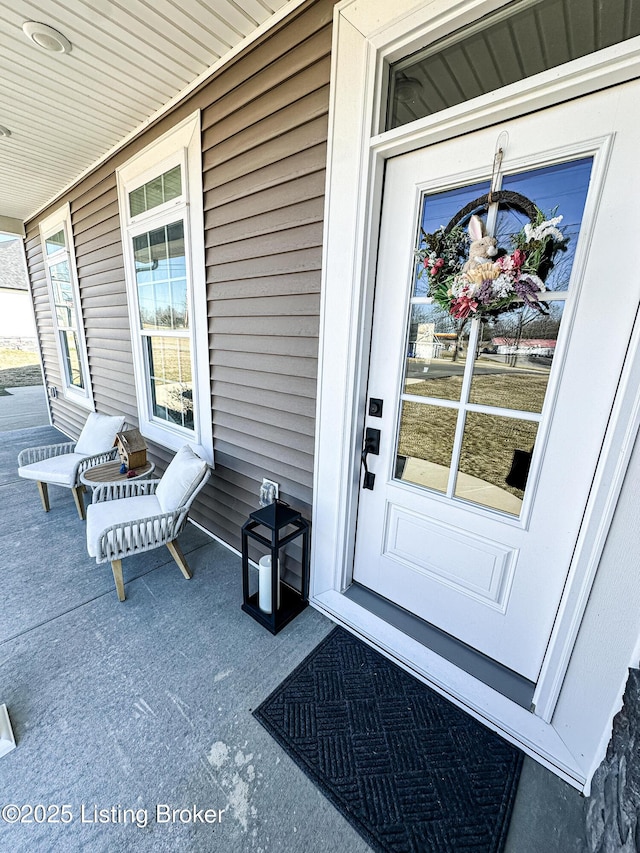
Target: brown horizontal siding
{"x": 94, "y": 189}
{"x": 254, "y": 413}
{"x": 266, "y": 204}
{"x": 300, "y": 164}
{"x": 96, "y": 228}
{"x": 270, "y": 364}
{"x": 245, "y": 393}
{"x": 272, "y": 133}
{"x": 272, "y": 264}
{"x": 284, "y": 77}
{"x": 99, "y": 237}
{"x": 307, "y": 136}
{"x": 295, "y": 215}
{"x": 293, "y": 347}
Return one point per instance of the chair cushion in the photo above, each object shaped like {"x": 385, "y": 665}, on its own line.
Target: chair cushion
{"x": 105, "y": 513}
{"x": 99, "y": 433}
{"x": 180, "y": 480}
{"x": 59, "y": 470}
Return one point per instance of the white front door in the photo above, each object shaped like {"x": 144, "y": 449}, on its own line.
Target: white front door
{"x": 491, "y": 431}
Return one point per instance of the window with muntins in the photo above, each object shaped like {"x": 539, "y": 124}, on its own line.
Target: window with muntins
{"x": 57, "y": 243}
{"x": 161, "y": 209}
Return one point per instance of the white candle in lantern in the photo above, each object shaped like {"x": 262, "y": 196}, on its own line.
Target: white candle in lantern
{"x": 264, "y": 585}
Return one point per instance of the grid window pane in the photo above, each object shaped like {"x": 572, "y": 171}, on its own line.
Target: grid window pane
{"x": 436, "y": 353}
{"x": 63, "y": 295}
{"x": 514, "y": 359}
{"x": 160, "y": 264}
{"x": 494, "y": 464}
{"x": 55, "y": 242}
{"x": 136, "y": 202}
{"x": 155, "y": 192}
{"x": 70, "y": 350}
{"x": 425, "y": 444}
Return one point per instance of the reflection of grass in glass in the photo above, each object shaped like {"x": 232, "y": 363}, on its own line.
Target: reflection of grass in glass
{"x": 171, "y": 376}
{"x": 508, "y": 391}
{"x": 73, "y": 360}
{"x": 426, "y": 432}
{"x": 488, "y": 445}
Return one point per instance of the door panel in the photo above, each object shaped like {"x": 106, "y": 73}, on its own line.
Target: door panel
{"x": 491, "y": 431}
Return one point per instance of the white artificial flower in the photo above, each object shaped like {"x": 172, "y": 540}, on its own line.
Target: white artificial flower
{"x": 545, "y": 229}
{"x": 502, "y": 286}
{"x": 458, "y": 285}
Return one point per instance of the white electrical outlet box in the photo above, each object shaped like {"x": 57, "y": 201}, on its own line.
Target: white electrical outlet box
{"x": 268, "y": 492}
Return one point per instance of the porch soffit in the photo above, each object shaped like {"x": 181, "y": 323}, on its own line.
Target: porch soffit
{"x": 129, "y": 63}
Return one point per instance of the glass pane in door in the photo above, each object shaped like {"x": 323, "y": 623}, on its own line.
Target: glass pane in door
{"x": 514, "y": 358}
{"x": 425, "y": 444}
{"x": 436, "y": 350}
{"x": 495, "y": 459}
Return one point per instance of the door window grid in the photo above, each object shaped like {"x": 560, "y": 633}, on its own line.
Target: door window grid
{"x": 469, "y": 410}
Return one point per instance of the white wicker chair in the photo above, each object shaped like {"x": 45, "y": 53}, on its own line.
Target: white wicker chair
{"x": 132, "y": 517}
{"x": 62, "y": 464}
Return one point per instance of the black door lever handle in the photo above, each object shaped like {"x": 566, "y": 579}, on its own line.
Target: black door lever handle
{"x": 371, "y": 445}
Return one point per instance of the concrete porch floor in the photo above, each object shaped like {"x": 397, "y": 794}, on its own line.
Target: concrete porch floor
{"x": 148, "y": 702}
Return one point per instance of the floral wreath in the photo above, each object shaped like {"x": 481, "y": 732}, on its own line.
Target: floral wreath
{"x": 468, "y": 274}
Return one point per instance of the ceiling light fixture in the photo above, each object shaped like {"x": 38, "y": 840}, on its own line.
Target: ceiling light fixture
{"x": 46, "y": 37}
{"x": 4, "y": 131}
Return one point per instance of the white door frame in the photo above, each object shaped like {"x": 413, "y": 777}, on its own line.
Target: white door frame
{"x": 365, "y": 37}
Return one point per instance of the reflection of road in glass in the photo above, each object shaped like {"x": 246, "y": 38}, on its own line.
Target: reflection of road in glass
{"x": 440, "y": 368}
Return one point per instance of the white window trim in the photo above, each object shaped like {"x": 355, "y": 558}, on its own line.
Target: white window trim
{"x": 180, "y": 145}
{"x": 61, "y": 220}
{"x": 364, "y": 37}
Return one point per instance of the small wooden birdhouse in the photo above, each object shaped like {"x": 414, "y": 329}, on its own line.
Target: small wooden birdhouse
{"x": 132, "y": 448}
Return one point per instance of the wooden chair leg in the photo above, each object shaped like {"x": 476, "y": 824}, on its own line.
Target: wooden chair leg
{"x": 44, "y": 495}
{"x": 79, "y": 500}
{"x": 116, "y": 568}
{"x": 178, "y": 556}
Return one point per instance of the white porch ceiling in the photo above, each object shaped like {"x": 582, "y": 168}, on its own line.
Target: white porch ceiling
{"x": 129, "y": 58}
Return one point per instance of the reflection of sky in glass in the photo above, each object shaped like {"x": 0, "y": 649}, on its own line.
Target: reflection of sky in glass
{"x": 562, "y": 187}
{"x": 441, "y": 207}
{"x": 438, "y": 209}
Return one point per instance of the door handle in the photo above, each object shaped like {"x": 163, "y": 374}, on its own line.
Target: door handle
{"x": 371, "y": 445}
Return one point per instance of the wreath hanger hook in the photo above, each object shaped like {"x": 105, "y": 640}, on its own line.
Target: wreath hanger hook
{"x": 501, "y": 147}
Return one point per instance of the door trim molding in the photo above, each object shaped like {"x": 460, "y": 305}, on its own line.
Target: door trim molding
{"x": 365, "y": 35}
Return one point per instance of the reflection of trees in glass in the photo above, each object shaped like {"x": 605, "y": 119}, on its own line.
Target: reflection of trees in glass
{"x": 180, "y": 404}
{"x": 522, "y": 323}
{"x": 168, "y": 317}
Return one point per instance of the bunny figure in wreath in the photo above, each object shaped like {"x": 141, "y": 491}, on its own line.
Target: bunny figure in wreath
{"x": 482, "y": 247}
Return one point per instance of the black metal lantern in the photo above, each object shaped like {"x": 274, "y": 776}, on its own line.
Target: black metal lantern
{"x": 285, "y": 602}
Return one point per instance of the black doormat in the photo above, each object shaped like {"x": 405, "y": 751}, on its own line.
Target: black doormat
{"x": 408, "y": 770}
